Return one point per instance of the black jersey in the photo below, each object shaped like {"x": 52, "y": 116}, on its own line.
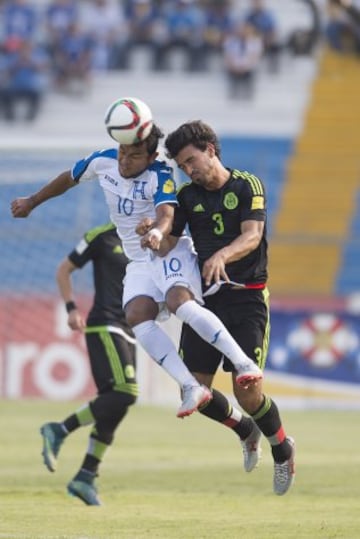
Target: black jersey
{"x": 102, "y": 246}
{"x": 214, "y": 219}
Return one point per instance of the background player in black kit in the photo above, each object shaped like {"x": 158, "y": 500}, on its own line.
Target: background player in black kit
{"x": 111, "y": 348}
{"x": 225, "y": 211}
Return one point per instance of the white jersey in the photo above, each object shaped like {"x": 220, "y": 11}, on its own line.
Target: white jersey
{"x": 129, "y": 199}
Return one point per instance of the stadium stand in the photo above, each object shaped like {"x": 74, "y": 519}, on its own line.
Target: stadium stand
{"x": 70, "y": 121}
{"x": 313, "y": 224}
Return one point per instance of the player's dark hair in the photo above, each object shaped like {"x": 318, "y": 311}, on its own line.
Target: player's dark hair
{"x": 196, "y": 133}
{"x": 152, "y": 140}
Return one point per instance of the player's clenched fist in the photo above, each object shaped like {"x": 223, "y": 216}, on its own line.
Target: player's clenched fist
{"x": 21, "y": 207}
{"x": 144, "y": 226}
{"x": 152, "y": 239}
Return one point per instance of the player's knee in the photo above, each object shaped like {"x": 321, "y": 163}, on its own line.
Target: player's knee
{"x": 141, "y": 309}
{"x": 113, "y": 404}
{"x": 121, "y": 398}
{"x": 111, "y": 413}
{"x": 124, "y": 394}
{"x": 176, "y": 297}
{"x": 128, "y": 399}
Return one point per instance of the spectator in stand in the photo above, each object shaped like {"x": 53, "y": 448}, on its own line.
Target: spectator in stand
{"x": 353, "y": 8}
{"x": 141, "y": 17}
{"x": 19, "y": 20}
{"x": 184, "y": 23}
{"x": 73, "y": 60}
{"x": 343, "y": 26}
{"x": 302, "y": 41}
{"x": 217, "y": 26}
{"x": 243, "y": 49}
{"x": 264, "y": 21}
{"x": 105, "y": 22}
{"x": 58, "y": 17}
{"x": 24, "y": 78}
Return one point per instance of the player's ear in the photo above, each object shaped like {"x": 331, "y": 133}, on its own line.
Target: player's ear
{"x": 211, "y": 149}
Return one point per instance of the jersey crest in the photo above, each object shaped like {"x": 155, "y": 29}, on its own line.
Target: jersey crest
{"x": 231, "y": 201}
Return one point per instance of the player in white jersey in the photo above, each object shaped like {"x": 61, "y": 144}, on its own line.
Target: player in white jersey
{"x": 137, "y": 185}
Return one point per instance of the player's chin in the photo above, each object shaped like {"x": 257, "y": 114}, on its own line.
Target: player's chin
{"x": 197, "y": 179}
{"x": 126, "y": 172}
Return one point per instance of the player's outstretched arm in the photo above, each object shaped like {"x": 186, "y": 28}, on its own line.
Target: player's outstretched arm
{"x": 22, "y": 206}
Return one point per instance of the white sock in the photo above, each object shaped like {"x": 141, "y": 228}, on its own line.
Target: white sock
{"x": 161, "y": 349}
{"x": 212, "y": 330}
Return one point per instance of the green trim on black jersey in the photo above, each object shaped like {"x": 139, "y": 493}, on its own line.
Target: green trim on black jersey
{"x": 255, "y": 184}
{"x": 94, "y": 232}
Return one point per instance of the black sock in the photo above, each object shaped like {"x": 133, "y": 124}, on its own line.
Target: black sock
{"x": 71, "y": 423}
{"x": 90, "y": 464}
{"x": 219, "y": 409}
{"x": 268, "y": 420}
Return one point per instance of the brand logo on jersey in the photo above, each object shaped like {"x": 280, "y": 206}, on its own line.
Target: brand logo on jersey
{"x": 117, "y": 249}
{"x": 198, "y": 208}
{"x": 169, "y": 187}
{"x": 231, "y": 201}
{"x": 110, "y": 179}
{"x": 257, "y": 203}
{"x": 174, "y": 275}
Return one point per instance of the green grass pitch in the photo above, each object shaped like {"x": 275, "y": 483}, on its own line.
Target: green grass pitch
{"x": 179, "y": 479}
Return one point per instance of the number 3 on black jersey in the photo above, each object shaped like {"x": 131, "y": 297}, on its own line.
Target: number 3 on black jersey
{"x": 219, "y": 227}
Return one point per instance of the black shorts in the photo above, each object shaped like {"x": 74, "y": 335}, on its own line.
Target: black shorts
{"x": 245, "y": 313}
{"x": 112, "y": 360}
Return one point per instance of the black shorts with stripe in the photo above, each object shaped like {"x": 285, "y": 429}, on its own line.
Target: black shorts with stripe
{"x": 245, "y": 313}
{"x": 112, "y": 359}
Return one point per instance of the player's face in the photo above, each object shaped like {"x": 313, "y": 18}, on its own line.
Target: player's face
{"x": 133, "y": 159}
{"x": 197, "y": 164}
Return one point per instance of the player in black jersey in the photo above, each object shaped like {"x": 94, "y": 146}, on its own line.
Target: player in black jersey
{"x": 225, "y": 211}
{"x": 111, "y": 348}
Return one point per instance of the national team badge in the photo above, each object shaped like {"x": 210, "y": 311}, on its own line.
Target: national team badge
{"x": 231, "y": 201}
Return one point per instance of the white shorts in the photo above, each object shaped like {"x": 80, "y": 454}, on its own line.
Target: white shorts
{"x": 156, "y": 276}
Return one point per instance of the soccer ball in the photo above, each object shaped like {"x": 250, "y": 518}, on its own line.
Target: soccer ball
{"x": 128, "y": 120}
